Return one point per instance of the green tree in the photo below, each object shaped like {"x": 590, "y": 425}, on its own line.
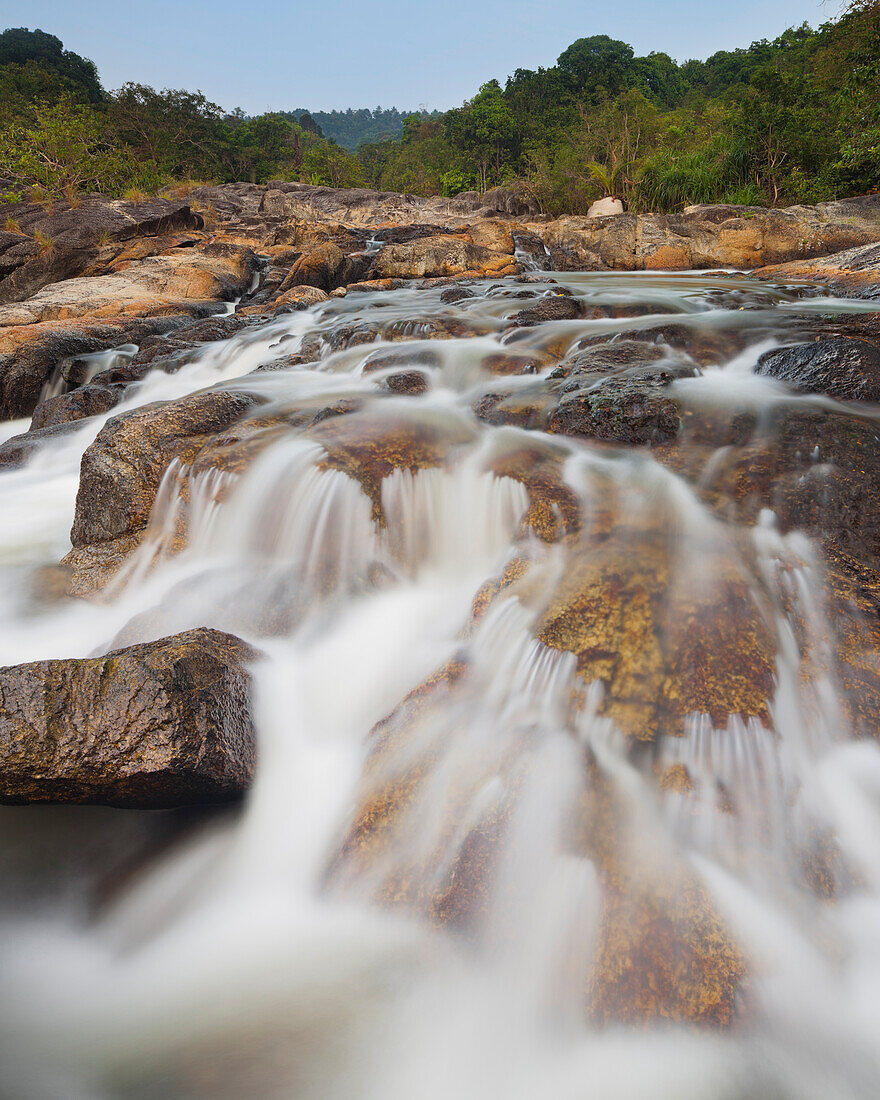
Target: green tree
{"x": 70, "y": 149}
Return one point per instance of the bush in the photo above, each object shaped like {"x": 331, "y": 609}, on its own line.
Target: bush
{"x": 69, "y": 149}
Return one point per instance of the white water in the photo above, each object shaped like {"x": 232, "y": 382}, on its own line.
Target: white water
{"x": 246, "y": 958}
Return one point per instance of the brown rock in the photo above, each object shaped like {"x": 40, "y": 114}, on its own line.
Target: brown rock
{"x": 121, "y": 470}
{"x": 319, "y": 267}
{"x": 441, "y": 255}
{"x": 76, "y": 237}
{"x": 176, "y": 283}
{"x": 162, "y": 724}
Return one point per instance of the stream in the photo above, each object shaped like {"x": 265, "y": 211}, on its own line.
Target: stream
{"x": 301, "y": 944}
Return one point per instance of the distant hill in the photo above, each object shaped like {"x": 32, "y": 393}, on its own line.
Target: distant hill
{"x": 353, "y": 128}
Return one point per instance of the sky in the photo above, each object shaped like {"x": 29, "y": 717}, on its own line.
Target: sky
{"x": 326, "y": 54}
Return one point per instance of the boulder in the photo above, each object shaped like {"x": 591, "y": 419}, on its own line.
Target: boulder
{"x": 711, "y": 236}
{"x": 605, "y": 208}
{"x": 441, "y": 255}
{"x": 120, "y": 472}
{"x": 507, "y": 200}
{"x": 319, "y": 268}
{"x": 90, "y": 400}
{"x": 179, "y": 283}
{"x": 74, "y": 236}
{"x": 846, "y": 369}
{"x": 160, "y": 724}
{"x": 30, "y": 354}
{"x": 300, "y": 297}
{"x": 636, "y": 411}
{"x": 18, "y": 449}
{"x": 558, "y": 307}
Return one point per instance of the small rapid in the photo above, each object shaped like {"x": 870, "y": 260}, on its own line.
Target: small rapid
{"x": 496, "y": 844}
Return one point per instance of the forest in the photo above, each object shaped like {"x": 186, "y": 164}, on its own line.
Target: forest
{"x": 795, "y": 120}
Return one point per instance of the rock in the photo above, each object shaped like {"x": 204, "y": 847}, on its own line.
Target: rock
{"x": 454, "y": 294}
{"x": 90, "y": 400}
{"x": 175, "y": 348}
{"x": 846, "y": 369}
{"x": 635, "y": 411}
{"x": 410, "y": 382}
{"x": 492, "y": 233}
{"x": 18, "y": 449}
{"x": 30, "y": 355}
{"x": 600, "y": 360}
{"x": 661, "y": 651}
{"x": 319, "y": 268}
{"x": 121, "y": 470}
{"x": 184, "y": 282}
{"x": 368, "y": 446}
{"x": 76, "y": 236}
{"x": 441, "y": 255}
{"x": 605, "y": 208}
{"x": 300, "y": 297}
{"x": 506, "y": 200}
{"x": 712, "y": 236}
{"x": 557, "y": 307}
{"x": 853, "y": 270}
{"x": 160, "y": 724}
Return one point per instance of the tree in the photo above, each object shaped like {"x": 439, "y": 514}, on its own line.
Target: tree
{"x": 179, "y": 130}
{"x": 19, "y": 46}
{"x": 599, "y": 67}
{"x": 486, "y": 131}
{"x": 70, "y": 149}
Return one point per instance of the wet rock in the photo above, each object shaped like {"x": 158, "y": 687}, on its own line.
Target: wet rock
{"x": 401, "y": 357}
{"x": 30, "y": 355}
{"x": 559, "y": 307}
{"x": 90, "y": 400}
{"x": 86, "y": 571}
{"x": 410, "y": 382}
{"x": 369, "y": 446}
{"x": 19, "y": 449}
{"x": 609, "y": 358}
{"x": 504, "y": 362}
{"x": 442, "y": 255}
{"x": 846, "y": 369}
{"x": 523, "y": 410}
{"x": 454, "y": 294}
{"x": 637, "y": 412}
{"x": 660, "y": 652}
{"x": 665, "y": 954}
{"x": 162, "y": 724}
{"x": 121, "y": 470}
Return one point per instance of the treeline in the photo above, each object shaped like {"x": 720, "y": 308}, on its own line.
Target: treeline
{"x": 353, "y": 128}
{"x": 789, "y": 121}
{"x": 62, "y": 133}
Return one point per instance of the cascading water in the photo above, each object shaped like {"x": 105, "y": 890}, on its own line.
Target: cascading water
{"x": 434, "y": 908}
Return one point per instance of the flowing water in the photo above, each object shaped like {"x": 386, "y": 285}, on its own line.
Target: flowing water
{"x": 258, "y": 951}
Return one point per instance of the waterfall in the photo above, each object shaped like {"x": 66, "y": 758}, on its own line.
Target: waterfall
{"x": 485, "y": 801}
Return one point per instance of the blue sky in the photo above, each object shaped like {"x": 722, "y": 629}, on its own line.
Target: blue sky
{"x": 325, "y": 54}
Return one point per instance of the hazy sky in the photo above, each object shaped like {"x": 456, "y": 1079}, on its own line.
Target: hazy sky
{"x": 321, "y": 54}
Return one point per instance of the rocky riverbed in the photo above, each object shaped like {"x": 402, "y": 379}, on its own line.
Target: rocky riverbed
{"x": 522, "y": 576}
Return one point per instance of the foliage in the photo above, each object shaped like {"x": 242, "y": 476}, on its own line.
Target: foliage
{"x": 795, "y": 120}
{"x": 353, "y": 128}
{"x": 70, "y": 149}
